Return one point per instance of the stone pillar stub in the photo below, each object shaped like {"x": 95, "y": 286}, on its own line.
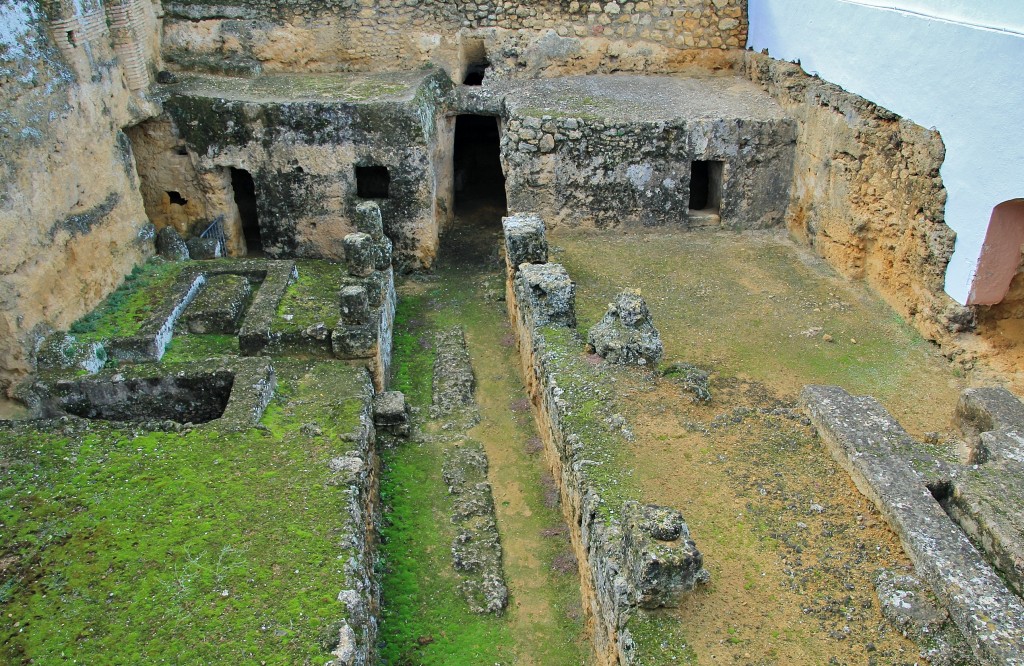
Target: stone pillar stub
{"x": 525, "y": 239}
{"x": 355, "y": 305}
{"x": 548, "y": 294}
{"x": 360, "y": 254}
{"x": 369, "y": 220}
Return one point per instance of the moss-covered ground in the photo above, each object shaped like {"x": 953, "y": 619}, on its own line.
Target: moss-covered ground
{"x": 125, "y": 547}
{"x": 125, "y": 310}
{"x": 425, "y": 619}
{"x": 312, "y": 299}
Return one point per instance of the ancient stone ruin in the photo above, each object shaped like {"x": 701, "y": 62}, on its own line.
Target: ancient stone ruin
{"x": 384, "y": 332}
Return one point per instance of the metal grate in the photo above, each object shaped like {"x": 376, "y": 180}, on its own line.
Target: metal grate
{"x": 216, "y": 231}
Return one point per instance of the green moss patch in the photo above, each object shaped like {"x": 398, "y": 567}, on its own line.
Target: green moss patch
{"x": 312, "y": 299}
{"x": 185, "y": 348}
{"x": 125, "y": 310}
{"x": 120, "y": 546}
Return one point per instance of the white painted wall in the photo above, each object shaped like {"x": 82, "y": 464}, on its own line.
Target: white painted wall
{"x": 953, "y": 65}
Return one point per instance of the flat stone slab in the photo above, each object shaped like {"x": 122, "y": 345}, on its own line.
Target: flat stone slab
{"x": 476, "y": 549}
{"x": 861, "y": 435}
{"x": 219, "y": 306}
{"x": 341, "y": 87}
{"x": 642, "y": 98}
{"x": 454, "y": 381}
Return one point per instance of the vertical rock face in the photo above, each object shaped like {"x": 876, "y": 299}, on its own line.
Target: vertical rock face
{"x": 72, "y": 222}
{"x": 867, "y": 194}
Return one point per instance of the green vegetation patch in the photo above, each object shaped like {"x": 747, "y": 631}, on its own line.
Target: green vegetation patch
{"x": 659, "y": 640}
{"x": 590, "y": 415}
{"x": 185, "y": 348}
{"x": 120, "y": 546}
{"x": 124, "y": 311}
{"x": 312, "y": 299}
{"x": 425, "y": 619}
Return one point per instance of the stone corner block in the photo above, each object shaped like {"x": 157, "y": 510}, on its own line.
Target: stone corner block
{"x": 548, "y": 293}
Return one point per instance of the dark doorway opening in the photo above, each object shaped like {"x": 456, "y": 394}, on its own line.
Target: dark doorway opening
{"x": 706, "y": 185}
{"x": 372, "y": 182}
{"x": 476, "y": 63}
{"x": 475, "y": 73}
{"x": 245, "y": 198}
{"x": 479, "y": 189}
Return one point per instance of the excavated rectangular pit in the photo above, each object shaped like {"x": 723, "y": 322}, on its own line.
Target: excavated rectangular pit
{"x": 196, "y": 398}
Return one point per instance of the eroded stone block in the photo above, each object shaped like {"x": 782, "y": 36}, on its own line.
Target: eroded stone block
{"x": 204, "y": 248}
{"x": 355, "y": 306}
{"x": 355, "y": 341}
{"x": 391, "y": 412}
{"x": 62, "y": 351}
{"x": 661, "y": 560}
{"x": 369, "y": 220}
{"x": 525, "y": 239}
{"x": 547, "y": 292}
{"x": 626, "y": 334}
{"x": 170, "y": 245}
{"x": 360, "y": 254}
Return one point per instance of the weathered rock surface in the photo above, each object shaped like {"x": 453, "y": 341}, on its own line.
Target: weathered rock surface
{"x": 476, "y": 549}
{"x": 626, "y": 334}
{"x": 170, "y": 245}
{"x": 204, "y": 248}
{"x": 391, "y": 412}
{"x": 867, "y": 194}
{"x": 546, "y": 294}
{"x": 661, "y": 559}
{"x": 454, "y": 381}
{"x": 914, "y": 611}
{"x": 525, "y": 239}
{"x": 861, "y": 436}
{"x": 62, "y": 351}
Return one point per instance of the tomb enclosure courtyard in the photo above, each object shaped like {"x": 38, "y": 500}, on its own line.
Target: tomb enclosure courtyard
{"x": 387, "y": 332}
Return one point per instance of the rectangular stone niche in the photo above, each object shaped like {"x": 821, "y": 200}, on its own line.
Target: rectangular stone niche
{"x": 190, "y": 398}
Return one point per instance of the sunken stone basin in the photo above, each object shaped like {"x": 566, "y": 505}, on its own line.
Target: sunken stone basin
{"x": 190, "y": 398}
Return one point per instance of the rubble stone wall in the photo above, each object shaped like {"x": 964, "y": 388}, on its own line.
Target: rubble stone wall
{"x": 72, "y": 223}
{"x": 867, "y": 195}
{"x": 522, "y": 37}
{"x": 590, "y": 172}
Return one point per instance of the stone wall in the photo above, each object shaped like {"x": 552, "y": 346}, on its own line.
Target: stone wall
{"x": 313, "y": 35}
{"x": 612, "y": 151}
{"x": 72, "y": 222}
{"x": 867, "y": 194}
{"x": 303, "y": 140}
{"x": 627, "y": 563}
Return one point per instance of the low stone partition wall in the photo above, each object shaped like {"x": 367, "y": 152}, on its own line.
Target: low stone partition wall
{"x": 356, "y": 472}
{"x": 367, "y": 299}
{"x": 156, "y": 332}
{"x": 631, "y": 556}
{"x": 863, "y": 437}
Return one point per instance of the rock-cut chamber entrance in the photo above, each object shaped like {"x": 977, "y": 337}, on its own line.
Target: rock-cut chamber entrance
{"x": 245, "y": 199}
{"x": 479, "y": 189}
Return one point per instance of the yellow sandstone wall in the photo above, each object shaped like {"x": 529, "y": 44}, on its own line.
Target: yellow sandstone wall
{"x": 72, "y": 222}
